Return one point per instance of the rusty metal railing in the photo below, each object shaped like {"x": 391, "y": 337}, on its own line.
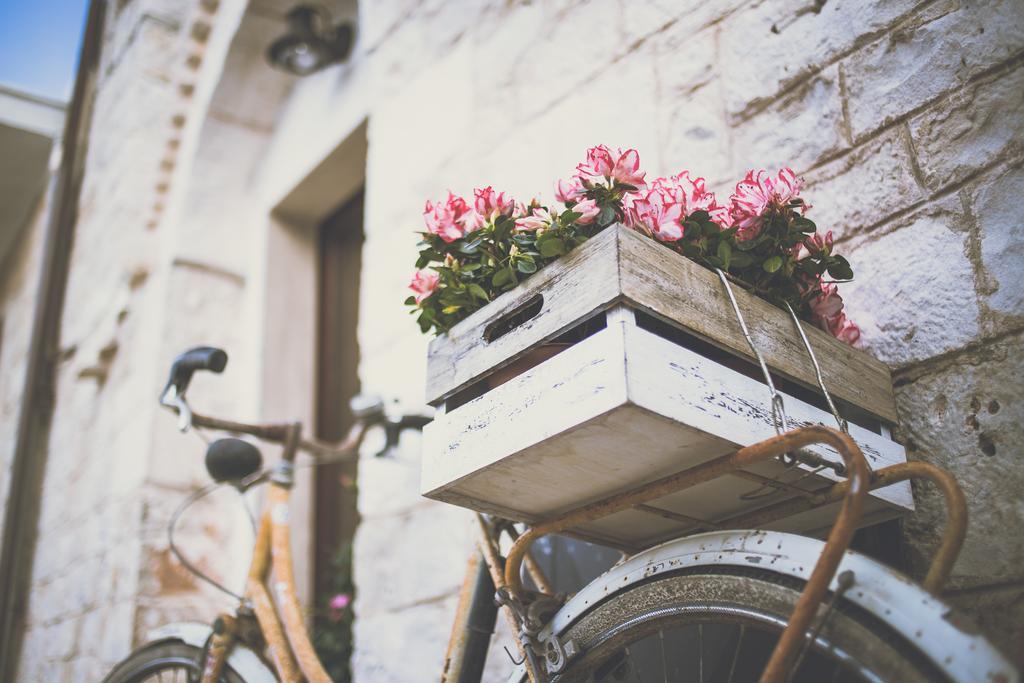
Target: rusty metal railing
{"x": 851, "y": 493}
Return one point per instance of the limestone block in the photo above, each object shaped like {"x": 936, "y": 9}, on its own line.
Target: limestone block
{"x": 781, "y": 135}
{"x": 693, "y": 134}
{"x": 996, "y": 208}
{"x": 498, "y": 43}
{"x": 618, "y": 108}
{"x": 967, "y": 416}
{"x": 556, "y": 62}
{"x": 62, "y": 639}
{"x": 759, "y": 62}
{"x": 640, "y": 20}
{"x": 936, "y": 51}
{"x": 403, "y": 646}
{"x": 912, "y": 293}
{"x": 391, "y": 485}
{"x": 114, "y": 642}
{"x": 417, "y": 555}
{"x": 970, "y": 129}
{"x": 999, "y": 612}
{"x": 864, "y": 187}
{"x": 377, "y": 20}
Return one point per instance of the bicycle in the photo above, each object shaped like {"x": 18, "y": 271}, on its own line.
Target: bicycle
{"x": 232, "y": 649}
{"x": 753, "y": 601}
{"x": 729, "y": 606}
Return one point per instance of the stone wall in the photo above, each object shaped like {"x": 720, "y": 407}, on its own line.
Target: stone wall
{"x": 903, "y": 116}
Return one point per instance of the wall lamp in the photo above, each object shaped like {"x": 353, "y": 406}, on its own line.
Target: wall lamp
{"x": 311, "y": 42}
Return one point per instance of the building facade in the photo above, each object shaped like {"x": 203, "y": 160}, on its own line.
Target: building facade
{"x": 211, "y": 180}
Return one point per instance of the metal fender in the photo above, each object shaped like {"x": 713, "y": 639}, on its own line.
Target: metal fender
{"x": 244, "y": 661}
{"x": 920, "y": 617}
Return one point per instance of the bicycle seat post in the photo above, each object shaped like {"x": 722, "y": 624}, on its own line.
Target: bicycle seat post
{"x": 284, "y": 473}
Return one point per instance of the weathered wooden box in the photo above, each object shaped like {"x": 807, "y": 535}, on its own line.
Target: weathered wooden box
{"x": 657, "y": 378}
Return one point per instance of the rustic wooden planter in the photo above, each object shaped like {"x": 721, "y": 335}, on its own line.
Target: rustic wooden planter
{"x": 658, "y": 379}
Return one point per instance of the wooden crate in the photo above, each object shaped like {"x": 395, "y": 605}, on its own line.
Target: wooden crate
{"x": 660, "y": 382}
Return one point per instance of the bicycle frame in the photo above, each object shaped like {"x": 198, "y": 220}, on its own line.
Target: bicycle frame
{"x": 506, "y": 572}
{"x": 277, "y": 612}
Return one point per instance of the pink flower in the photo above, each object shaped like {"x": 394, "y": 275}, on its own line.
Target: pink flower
{"x": 662, "y": 209}
{"x": 488, "y": 205}
{"x": 693, "y": 194}
{"x": 447, "y": 220}
{"x": 627, "y": 169}
{"x": 827, "y": 313}
{"x": 657, "y": 215}
{"x": 623, "y": 167}
{"x": 538, "y": 219}
{"x": 819, "y": 244}
{"x": 599, "y": 163}
{"x": 588, "y": 210}
{"x": 755, "y": 194}
{"x": 424, "y": 282}
{"x": 844, "y": 329}
{"x": 569, "y": 190}
{"x": 827, "y": 303}
{"x": 340, "y": 601}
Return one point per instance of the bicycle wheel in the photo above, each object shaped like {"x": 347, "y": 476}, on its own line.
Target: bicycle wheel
{"x": 720, "y": 625}
{"x": 166, "y": 662}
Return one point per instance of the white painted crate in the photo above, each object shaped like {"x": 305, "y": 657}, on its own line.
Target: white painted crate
{"x": 648, "y": 395}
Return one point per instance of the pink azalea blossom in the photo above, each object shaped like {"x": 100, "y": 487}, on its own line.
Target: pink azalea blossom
{"x": 755, "y": 194}
{"x": 662, "y": 209}
{"x": 656, "y": 214}
{"x": 819, "y": 244}
{"x": 424, "y": 282}
{"x": 599, "y": 163}
{"x": 447, "y": 220}
{"x": 488, "y": 205}
{"x": 844, "y": 329}
{"x": 827, "y": 303}
{"x": 693, "y": 195}
{"x": 538, "y": 219}
{"x": 620, "y": 166}
{"x": 827, "y": 313}
{"x": 340, "y": 601}
{"x": 569, "y": 190}
{"x": 588, "y": 210}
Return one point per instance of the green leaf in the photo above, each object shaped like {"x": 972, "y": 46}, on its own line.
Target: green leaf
{"x": 839, "y": 268}
{"x": 478, "y": 291}
{"x": 772, "y": 264}
{"x": 411, "y": 301}
{"x": 741, "y": 259}
{"x": 551, "y": 248}
{"x": 526, "y": 267}
{"x": 504, "y": 277}
{"x": 724, "y": 254}
{"x": 606, "y": 216}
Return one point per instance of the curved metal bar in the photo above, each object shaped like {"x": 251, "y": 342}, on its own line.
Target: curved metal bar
{"x": 284, "y": 584}
{"x": 838, "y": 540}
{"x": 956, "y": 504}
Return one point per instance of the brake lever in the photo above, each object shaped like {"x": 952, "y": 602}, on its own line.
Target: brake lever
{"x": 172, "y": 399}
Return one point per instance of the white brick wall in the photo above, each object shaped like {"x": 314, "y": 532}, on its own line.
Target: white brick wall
{"x": 903, "y": 115}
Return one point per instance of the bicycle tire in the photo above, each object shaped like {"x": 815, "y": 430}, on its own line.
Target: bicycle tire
{"x": 857, "y": 645}
{"x": 153, "y": 663}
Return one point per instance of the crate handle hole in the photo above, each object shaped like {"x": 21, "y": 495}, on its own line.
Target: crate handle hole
{"x": 512, "y": 319}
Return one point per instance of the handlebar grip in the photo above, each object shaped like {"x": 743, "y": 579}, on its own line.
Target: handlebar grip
{"x": 198, "y": 358}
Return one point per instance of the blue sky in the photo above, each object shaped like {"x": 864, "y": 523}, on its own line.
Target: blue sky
{"x": 39, "y": 41}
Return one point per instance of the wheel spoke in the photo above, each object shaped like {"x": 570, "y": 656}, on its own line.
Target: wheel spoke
{"x": 700, "y": 653}
{"x": 664, "y": 664}
{"x": 736, "y": 652}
